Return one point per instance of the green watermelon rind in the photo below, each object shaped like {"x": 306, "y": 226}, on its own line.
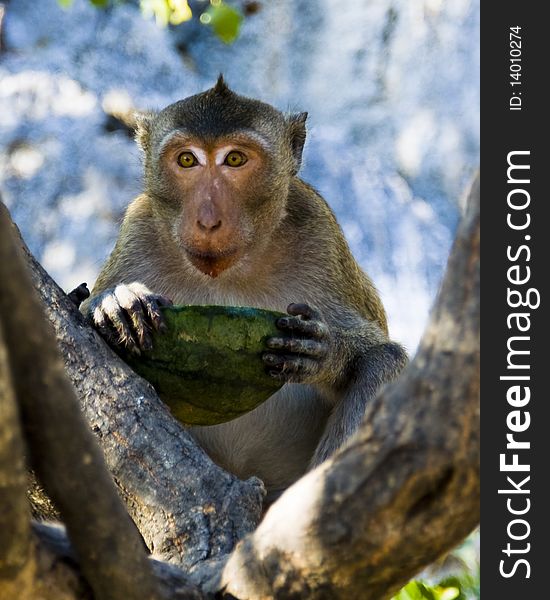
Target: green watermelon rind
{"x": 207, "y": 366}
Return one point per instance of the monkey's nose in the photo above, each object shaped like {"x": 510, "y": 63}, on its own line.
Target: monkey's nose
{"x": 209, "y": 224}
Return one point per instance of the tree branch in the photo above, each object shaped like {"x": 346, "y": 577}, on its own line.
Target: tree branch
{"x": 55, "y": 555}
{"x": 62, "y": 448}
{"x": 16, "y": 560}
{"x": 405, "y": 489}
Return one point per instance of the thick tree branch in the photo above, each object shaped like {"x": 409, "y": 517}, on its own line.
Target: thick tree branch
{"x": 59, "y": 574}
{"x": 405, "y": 489}
{"x": 62, "y": 448}
{"x": 16, "y": 560}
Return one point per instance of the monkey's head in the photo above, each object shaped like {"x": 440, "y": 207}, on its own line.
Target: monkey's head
{"x": 218, "y": 168}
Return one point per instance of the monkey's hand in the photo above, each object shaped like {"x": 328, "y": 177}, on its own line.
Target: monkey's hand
{"x": 126, "y": 315}
{"x": 301, "y": 357}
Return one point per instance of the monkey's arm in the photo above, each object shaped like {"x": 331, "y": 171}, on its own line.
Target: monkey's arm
{"x": 348, "y": 361}
{"x": 121, "y": 306}
{"x": 379, "y": 365}
{"x": 320, "y": 351}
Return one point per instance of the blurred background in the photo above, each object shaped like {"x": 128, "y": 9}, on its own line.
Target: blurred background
{"x": 391, "y": 87}
{"x": 392, "y": 91}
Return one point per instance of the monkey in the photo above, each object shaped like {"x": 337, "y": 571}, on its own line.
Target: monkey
{"x": 224, "y": 219}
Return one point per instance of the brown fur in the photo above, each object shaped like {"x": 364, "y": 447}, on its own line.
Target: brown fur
{"x": 290, "y": 249}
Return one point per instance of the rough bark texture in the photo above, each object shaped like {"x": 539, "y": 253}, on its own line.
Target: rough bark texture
{"x": 404, "y": 489}
{"x": 17, "y": 566}
{"x": 58, "y": 571}
{"x": 53, "y": 573}
{"x": 186, "y": 507}
{"x": 61, "y": 447}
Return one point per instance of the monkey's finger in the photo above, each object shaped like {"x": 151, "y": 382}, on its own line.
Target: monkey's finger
{"x": 311, "y": 329}
{"x": 303, "y": 310}
{"x": 140, "y": 327}
{"x": 79, "y": 294}
{"x": 152, "y": 305}
{"x": 115, "y": 314}
{"x": 103, "y": 325}
{"x": 126, "y": 337}
{"x": 163, "y": 300}
{"x": 308, "y": 347}
{"x": 132, "y": 305}
{"x": 289, "y": 367}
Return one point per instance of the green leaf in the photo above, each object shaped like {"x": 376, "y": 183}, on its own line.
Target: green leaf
{"x": 417, "y": 590}
{"x": 180, "y": 11}
{"x": 427, "y": 592}
{"x": 447, "y": 593}
{"x": 100, "y": 3}
{"x": 65, "y": 3}
{"x": 414, "y": 590}
{"x": 463, "y": 586}
{"x": 224, "y": 20}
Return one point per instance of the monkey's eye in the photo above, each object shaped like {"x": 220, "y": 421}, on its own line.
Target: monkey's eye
{"x": 187, "y": 159}
{"x": 235, "y": 159}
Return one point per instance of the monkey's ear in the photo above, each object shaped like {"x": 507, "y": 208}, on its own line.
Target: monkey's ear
{"x": 297, "y": 130}
{"x": 142, "y": 128}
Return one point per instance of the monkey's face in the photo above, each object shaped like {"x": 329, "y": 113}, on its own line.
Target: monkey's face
{"x": 220, "y": 166}
{"x": 218, "y": 197}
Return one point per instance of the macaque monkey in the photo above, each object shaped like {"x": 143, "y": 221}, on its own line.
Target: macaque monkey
{"x": 224, "y": 219}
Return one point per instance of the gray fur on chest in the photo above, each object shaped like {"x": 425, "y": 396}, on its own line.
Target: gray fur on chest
{"x": 274, "y": 442}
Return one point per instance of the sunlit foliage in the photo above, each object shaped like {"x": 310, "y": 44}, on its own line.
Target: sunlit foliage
{"x": 224, "y": 20}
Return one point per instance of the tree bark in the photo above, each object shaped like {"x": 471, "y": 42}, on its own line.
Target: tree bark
{"x": 62, "y": 449}
{"x": 16, "y": 560}
{"x": 60, "y": 577}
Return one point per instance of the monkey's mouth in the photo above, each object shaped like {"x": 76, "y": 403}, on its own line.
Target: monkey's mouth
{"x": 212, "y": 263}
